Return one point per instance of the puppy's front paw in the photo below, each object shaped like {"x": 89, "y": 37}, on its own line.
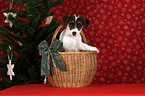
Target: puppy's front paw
{"x": 94, "y": 49}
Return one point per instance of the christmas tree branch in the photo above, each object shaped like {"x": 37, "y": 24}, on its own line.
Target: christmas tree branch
{"x": 46, "y": 14}
{"x": 5, "y": 46}
{"x": 19, "y": 13}
{"x": 4, "y": 51}
{"x": 19, "y": 2}
{"x": 2, "y": 63}
{"x": 52, "y": 3}
{"x": 13, "y": 29}
{"x": 3, "y": 66}
{"x": 10, "y": 36}
{"x": 43, "y": 32}
{"x": 18, "y": 33}
{"x": 9, "y": 42}
{"x": 22, "y": 25}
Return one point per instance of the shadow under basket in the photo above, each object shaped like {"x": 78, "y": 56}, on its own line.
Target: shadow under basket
{"x": 81, "y": 68}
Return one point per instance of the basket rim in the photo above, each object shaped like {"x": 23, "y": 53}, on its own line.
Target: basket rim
{"x": 84, "y": 52}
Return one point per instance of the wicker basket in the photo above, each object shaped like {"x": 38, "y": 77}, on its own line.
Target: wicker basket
{"x": 81, "y": 67}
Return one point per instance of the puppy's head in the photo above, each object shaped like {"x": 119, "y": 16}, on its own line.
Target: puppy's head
{"x": 75, "y": 23}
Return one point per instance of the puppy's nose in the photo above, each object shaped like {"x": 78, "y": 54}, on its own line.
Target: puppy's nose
{"x": 74, "y": 33}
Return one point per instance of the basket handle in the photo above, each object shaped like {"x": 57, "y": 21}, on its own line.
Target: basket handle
{"x": 60, "y": 26}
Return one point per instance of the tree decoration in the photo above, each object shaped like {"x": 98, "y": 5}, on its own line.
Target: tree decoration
{"x": 51, "y": 54}
{"x": 10, "y": 13}
{"x": 49, "y": 19}
{"x": 10, "y": 69}
{"x": 7, "y": 15}
{"x": 9, "y": 66}
{"x": 11, "y": 4}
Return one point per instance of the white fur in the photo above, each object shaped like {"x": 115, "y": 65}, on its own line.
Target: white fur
{"x": 71, "y": 42}
{"x": 76, "y": 17}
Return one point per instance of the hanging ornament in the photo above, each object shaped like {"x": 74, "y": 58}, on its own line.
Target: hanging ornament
{"x": 11, "y": 4}
{"x": 49, "y": 19}
{"x": 10, "y": 13}
{"x": 7, "y": 15}
{"x": 10, "y": 66}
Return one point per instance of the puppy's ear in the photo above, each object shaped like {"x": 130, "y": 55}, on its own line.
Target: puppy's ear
{"x": 86, "y": 23}
{"x": 65, "y": 20}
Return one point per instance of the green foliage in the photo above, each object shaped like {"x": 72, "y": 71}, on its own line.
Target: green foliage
{"x": 24, "y": 37}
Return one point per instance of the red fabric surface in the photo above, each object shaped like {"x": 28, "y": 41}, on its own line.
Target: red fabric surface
{"x": 93, "y": 90}
{"x": 117, "y": 29}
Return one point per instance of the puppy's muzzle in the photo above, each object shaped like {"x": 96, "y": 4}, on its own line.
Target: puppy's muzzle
{"x": 74, "y": 33}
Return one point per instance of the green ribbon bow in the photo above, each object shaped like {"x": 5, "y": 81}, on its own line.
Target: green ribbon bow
{"x": 51, "y": 53}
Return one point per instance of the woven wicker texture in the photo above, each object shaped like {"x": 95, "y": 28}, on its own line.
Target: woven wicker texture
{"x": 81, "y": 67}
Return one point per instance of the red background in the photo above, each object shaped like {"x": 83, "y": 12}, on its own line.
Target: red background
{"x": 117, "y": 29}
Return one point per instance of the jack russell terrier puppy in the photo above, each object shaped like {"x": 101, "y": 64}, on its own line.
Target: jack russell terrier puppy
{"x": 71, "y": 37}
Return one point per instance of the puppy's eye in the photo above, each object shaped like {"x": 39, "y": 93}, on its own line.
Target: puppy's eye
{"x": 71, "y": 25}
{"x": 79, "y": 26}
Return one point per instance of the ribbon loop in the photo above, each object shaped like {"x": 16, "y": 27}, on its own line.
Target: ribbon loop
{"x": 51, "y": 53}
{"x": 43, "y": 50}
